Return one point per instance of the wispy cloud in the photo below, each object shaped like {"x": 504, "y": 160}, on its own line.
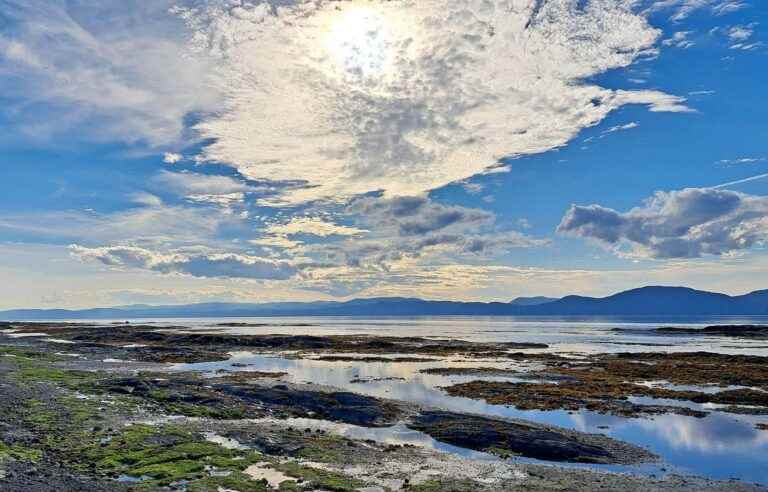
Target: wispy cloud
{"x": 620, "y": 128}
{"x": 118, "y": 70}
{"x": 741, "y": 181}
{"x": 682, "y": 9}
{"x": 741, "y": 160}
{"x": 679, "y": 40}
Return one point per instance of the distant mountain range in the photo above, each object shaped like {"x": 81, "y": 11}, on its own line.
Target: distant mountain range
{"x": 645, "y": 301}
{"x": 532, "y": 301}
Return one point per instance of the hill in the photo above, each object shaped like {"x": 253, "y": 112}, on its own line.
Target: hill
{"x": 644, "y": 301}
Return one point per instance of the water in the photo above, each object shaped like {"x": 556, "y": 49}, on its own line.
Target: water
{"x": 719, "y": 446}
{"x": 577, "y": 334}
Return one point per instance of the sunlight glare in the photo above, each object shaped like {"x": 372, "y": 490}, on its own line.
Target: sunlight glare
{"x": 359, "y": 41}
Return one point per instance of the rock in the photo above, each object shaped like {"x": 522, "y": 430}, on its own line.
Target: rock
{"x": 529, "y": 440}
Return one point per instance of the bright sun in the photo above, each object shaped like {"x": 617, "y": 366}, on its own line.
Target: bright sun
{"x": 359, "y": 41}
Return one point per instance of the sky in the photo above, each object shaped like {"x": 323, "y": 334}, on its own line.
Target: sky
{"x": 182, "y": 151}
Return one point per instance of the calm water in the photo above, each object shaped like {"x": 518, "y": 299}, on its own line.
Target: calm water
{"x": 718, "y": 446}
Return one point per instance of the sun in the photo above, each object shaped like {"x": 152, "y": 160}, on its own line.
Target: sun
{"x": 360, "y": 43}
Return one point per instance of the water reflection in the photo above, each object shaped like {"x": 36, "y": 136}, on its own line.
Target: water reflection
{"x": 718, "y": 446}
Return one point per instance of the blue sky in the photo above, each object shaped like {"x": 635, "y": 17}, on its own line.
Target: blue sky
{"x": 169, "y": 152}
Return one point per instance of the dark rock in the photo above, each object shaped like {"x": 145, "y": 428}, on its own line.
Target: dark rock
{"x": 532, "y": 441}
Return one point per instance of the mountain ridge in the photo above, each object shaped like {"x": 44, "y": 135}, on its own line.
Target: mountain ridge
{"x": 642, "y": 301}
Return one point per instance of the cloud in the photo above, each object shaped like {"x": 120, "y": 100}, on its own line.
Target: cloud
{"x": 151, "y": 221}
{"x": 407, "y": 97}
{"x": 728, "y": 7}
{"x": 619, "y": 128}
{"x": 657, "y": 102}
{"x": 741, "y": 160}
{"x": 689, "y": 223}
{"x": 172, "y": 158}
{"x": 281, "y": 242}
{"x": 229, "y": 265}
{"x": 473, "y": 188}
{"x": 682, "y": 9}
{"x": 186, "y": 183}
{"x": 112, "y": 70}
{"x": 741, "y": 181}
{"x": 739, "y": 36}
{"x": 679, "y": 40}
{"x": 747, "y": 46}
{"x": 740, "y": 33}
{"x": 417, "y": 215}
{"x": 417, "y": 227}
{"x": 314, "y": 226}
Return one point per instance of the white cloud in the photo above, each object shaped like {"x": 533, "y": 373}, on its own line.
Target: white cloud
{"x": 656, "y": 101}
{"x": 172, "y": 158}
{"x": 682, "y": 9}
{"x": 741, "y": 160}
{"x": 203, "y": 187}
{"x": 740, "y": 33}
{"x": 619, "y": 128}
{"x": 747, "y": 46}
{"x": 679, "y": 40}
{"x": 741, "y": 181}
{"x": 113, "y": 70}
{"x": 227, "y": 200}
{"x": 728, "y": 7}
{"x": 473, "y": 188}
{"x": 430, "y": 93}
{"x": 315, "y": 226}
{"x": 679, "y": 224}
{"x": 228, "y": 265}
{"x": 281, "y": 242}
{"x": 152, "y": 222}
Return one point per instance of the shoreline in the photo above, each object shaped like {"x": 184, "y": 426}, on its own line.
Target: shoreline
{"x": 232, "y": 400}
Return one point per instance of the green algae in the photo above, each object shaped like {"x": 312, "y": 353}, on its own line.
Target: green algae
{"x": 166, "y": 454}
{"x": 18, "y": 452}
{"x": 75, "y": 427}
{"x": 445, "y": 486}
{"x": 325, "y": 449}
{"x": 317, "y": 479}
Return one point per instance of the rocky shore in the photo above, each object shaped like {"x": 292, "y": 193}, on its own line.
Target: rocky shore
{"x": 75, "y": 417}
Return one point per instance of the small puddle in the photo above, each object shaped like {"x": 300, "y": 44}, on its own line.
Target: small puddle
{"x": 131, "y": 479}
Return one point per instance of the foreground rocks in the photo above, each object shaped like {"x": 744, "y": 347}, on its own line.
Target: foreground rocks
{"x": 81, "y": 424}
{"x": 526, "y": 439}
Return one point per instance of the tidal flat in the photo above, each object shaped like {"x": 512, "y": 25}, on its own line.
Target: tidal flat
{"x": 362, "y": 406}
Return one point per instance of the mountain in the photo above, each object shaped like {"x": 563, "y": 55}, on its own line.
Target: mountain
{"x": 532, "y": 301}
{"x": 644, "y": 301}
{"x": 654, "y": 300}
